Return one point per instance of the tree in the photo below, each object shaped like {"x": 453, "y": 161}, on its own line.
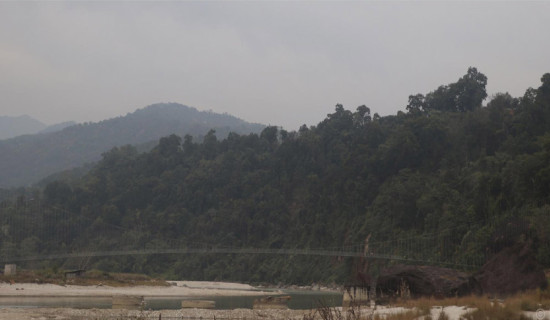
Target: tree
{"x": 57, "y": 192}
{"x": 169, "y": 145}
{"x": 188, "y": 145}
{"x": 416, "y": 103}
{"x": 467, "y": 94}
{"x": 361, "y": 116}
{"x": 503, "y": 101}
{"x": 543, "y": 92}
{"x": 529, "y": 96}
{"x": 210, "y": 144}
{"x": 269, "y": 134}
{"x": 470, "y": 90}
{"x": 442, "y": 99}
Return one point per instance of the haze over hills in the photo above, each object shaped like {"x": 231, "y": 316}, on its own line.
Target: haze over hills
{"x": 15, "y": 126}
{"x": 11, "y": 127}
{"x": 27, "y": 159}
{"x": 57, "y": 127}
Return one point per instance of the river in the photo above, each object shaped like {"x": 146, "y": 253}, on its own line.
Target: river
{"x": 299, "y": 300}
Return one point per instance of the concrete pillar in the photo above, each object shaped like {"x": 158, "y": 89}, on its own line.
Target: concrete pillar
{"x": 372, "y": 293}
{"x": 10, "y": 269}
{"x": 355, "y": 296}
{"x": 128, "y": 302}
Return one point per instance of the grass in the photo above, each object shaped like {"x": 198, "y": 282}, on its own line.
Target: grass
{"x": 509, "y": 308}
{"x": 482, "y": 308}
{"x": 407, "y": 315}
{"x": 90, "y": 278}
{"x": 526, "y": 301}
{"x": 496, "y": 312}
{"x": 531, "y": 301}
{"x": 356, "y": 311}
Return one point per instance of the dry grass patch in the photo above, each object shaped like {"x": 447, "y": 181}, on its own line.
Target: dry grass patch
{"x": 407, "y": 315}
{"x": 495, "y": 312}
{"x": 526, "y": 301}
{"x": 509, "y": 308}
{"x": 428, "y": 303}
{"x": 531, "y": 300}
{"x": 358, "y": 312}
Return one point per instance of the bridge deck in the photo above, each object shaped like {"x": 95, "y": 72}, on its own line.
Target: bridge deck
{"x": 228, "y": 250}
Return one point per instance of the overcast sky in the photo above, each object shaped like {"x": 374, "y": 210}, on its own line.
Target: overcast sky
{"x": 278, "y": 63}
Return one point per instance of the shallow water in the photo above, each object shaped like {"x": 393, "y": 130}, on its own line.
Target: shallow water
{"x": 299, "y": 300}
{"x": 56, "y": 302}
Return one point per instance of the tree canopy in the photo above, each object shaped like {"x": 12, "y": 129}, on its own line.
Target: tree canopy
{"x": 467, "y": 94}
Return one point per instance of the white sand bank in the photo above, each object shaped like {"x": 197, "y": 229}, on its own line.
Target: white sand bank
{"x": 453, "y": 312}
{"x": 181, "y": 288}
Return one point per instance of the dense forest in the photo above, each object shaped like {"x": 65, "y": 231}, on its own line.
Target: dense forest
{"x": 448, "y": 165}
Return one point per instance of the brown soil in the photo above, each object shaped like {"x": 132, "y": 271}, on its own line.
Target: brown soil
{"x": 512, "y": 270}
{"x": 426, "y": 281}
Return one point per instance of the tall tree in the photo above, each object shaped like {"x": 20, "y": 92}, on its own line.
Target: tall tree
{"x": 467, "y": 94}
{"x": 470, "y": 90}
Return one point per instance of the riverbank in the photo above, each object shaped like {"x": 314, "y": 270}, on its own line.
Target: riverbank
{"x": 175, "y": 289}
{"x": 381, "y": 312}
{"x": 451, "y": 313}
{"x": 67, "y": 313}
{"x": 533, "y": 305}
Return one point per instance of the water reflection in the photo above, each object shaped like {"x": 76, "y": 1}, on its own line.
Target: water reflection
{"x": 56, "y": 302}
{"x": 299, "y": 300}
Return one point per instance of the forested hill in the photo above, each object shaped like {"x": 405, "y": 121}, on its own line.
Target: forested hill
{"x": 27, "y": 159}
{"x": 448, "y": 166}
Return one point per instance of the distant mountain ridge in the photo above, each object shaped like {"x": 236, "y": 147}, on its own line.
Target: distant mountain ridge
{"x": 11, "y": 127}
{"x": 27, "y": 159}
{"x": 15, "y": 126}
{"x": 57, "y": 127}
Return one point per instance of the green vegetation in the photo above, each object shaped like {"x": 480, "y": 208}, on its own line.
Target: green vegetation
{"x": 449, "y": 167}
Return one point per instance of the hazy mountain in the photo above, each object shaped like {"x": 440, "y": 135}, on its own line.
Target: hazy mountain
{"x": 57, "y": 127}
{"x": 15, "y": 126}
{"x": 27, "y": 159}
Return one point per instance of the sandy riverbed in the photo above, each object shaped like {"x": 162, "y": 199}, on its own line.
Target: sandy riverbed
{"x": 178, "y": 288}
{"x": 65, "y": 313}
{"x": 454, "y": 313}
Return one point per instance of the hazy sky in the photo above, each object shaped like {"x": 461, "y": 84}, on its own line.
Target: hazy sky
{"x": 280, "y": 63}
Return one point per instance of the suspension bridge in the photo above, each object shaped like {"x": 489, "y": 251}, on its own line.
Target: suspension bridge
{"x": 32, "y": 233}
{"x": 232, "y": 250}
